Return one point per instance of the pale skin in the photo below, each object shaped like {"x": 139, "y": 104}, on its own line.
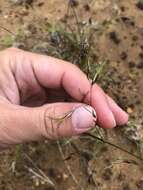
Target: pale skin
{"x": 33, "y": 90}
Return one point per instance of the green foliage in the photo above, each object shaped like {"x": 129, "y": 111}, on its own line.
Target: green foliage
{"x": 140, "y": 1}
{"x": 20, "y": 36}
{"x": 77, "y": 47}
{"x": 18, "y": 152}
{"x": 7, "y": 40}
{"x": 140, "y": 146}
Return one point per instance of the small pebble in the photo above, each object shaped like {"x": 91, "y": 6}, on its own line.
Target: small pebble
{"x": 140, "y": 184}
{"x": 87, "y": 7}
{"x": 19, "y": 2}
{"x": 107, "y": 174}
{"x": 123, "y": 55}
{"x": 114, "y": 37}
{"x": 129, "y": 110}
{"x": 140, "y": 5}
{"x": 74, "y": 3}
{"x": 140, "y": 65}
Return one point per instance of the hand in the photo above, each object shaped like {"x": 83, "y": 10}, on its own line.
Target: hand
{"x": 33, "y": 93}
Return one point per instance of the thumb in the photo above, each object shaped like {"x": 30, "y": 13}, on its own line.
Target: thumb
{"x": 22, "y": 124}
{"x": 67, "y": 119}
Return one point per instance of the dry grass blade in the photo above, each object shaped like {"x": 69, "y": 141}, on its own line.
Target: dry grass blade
{"x": 7, "y": 30}
{"x": 68, "y": 166}
{"x": 119, "y": 161}
{"x": 41, "y": 174}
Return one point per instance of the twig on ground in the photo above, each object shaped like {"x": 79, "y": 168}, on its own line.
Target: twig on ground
{"x": 68, "y": 166}
{"x": 41, "y": 174}
{"x": 7, "y": 30}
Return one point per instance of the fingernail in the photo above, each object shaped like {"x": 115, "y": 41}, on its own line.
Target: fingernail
{"x": 113, "y": 121}
{"x": 83, "y": 119}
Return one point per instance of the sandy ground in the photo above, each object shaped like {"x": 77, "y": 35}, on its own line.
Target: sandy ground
{"x": 94, "y": 165}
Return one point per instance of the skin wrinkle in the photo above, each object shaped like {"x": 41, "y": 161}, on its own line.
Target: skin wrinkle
{"x": 7, "y": 91}
{"x": 3, "y": 146}
{"x": 38, "y": 87}
{"x": 1, "y": 87}
{"x": 62, "y": 80}
{"x": 22, "y": 84}
{"x": 15, "y": 73}
{"x": 84, "y": 95}
{"x": 54, "y": 125}
{"x": 53, "y": 135}
{"x": 10, "y": 67}
{"x": 22, "y": 91}
{"x": 12, "y": 64}
{"x": 37, "y": 81}
{"x": 34, "y": 73}
{"x": 46, "y": 125}
{"x": 5, "y": 95}
{"x": 20, "y": 135}
{"x": 18, "y": 87}
{"x": 58, "y": 131}
{"x": 2, "y": 91}
{"x": 41, "y": 78}
{"x": 5, "y": 135}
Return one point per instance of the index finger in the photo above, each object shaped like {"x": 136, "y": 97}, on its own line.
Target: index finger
{"x": 55, "y": 73}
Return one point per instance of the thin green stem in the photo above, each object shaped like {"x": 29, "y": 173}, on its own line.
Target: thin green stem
{"x": 113, "y": 145}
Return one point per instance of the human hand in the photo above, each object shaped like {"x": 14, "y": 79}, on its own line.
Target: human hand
{"x": 33, "y": 90}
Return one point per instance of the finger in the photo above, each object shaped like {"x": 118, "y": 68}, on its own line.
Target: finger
{"x": 98, "y": 100}
{"x": 51, "y": 121}
{"x": 55, "y": 73}
{"x": 68, "y": 119}
{"x": 78, "y": 86}
{"x": 121, "y": 116}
